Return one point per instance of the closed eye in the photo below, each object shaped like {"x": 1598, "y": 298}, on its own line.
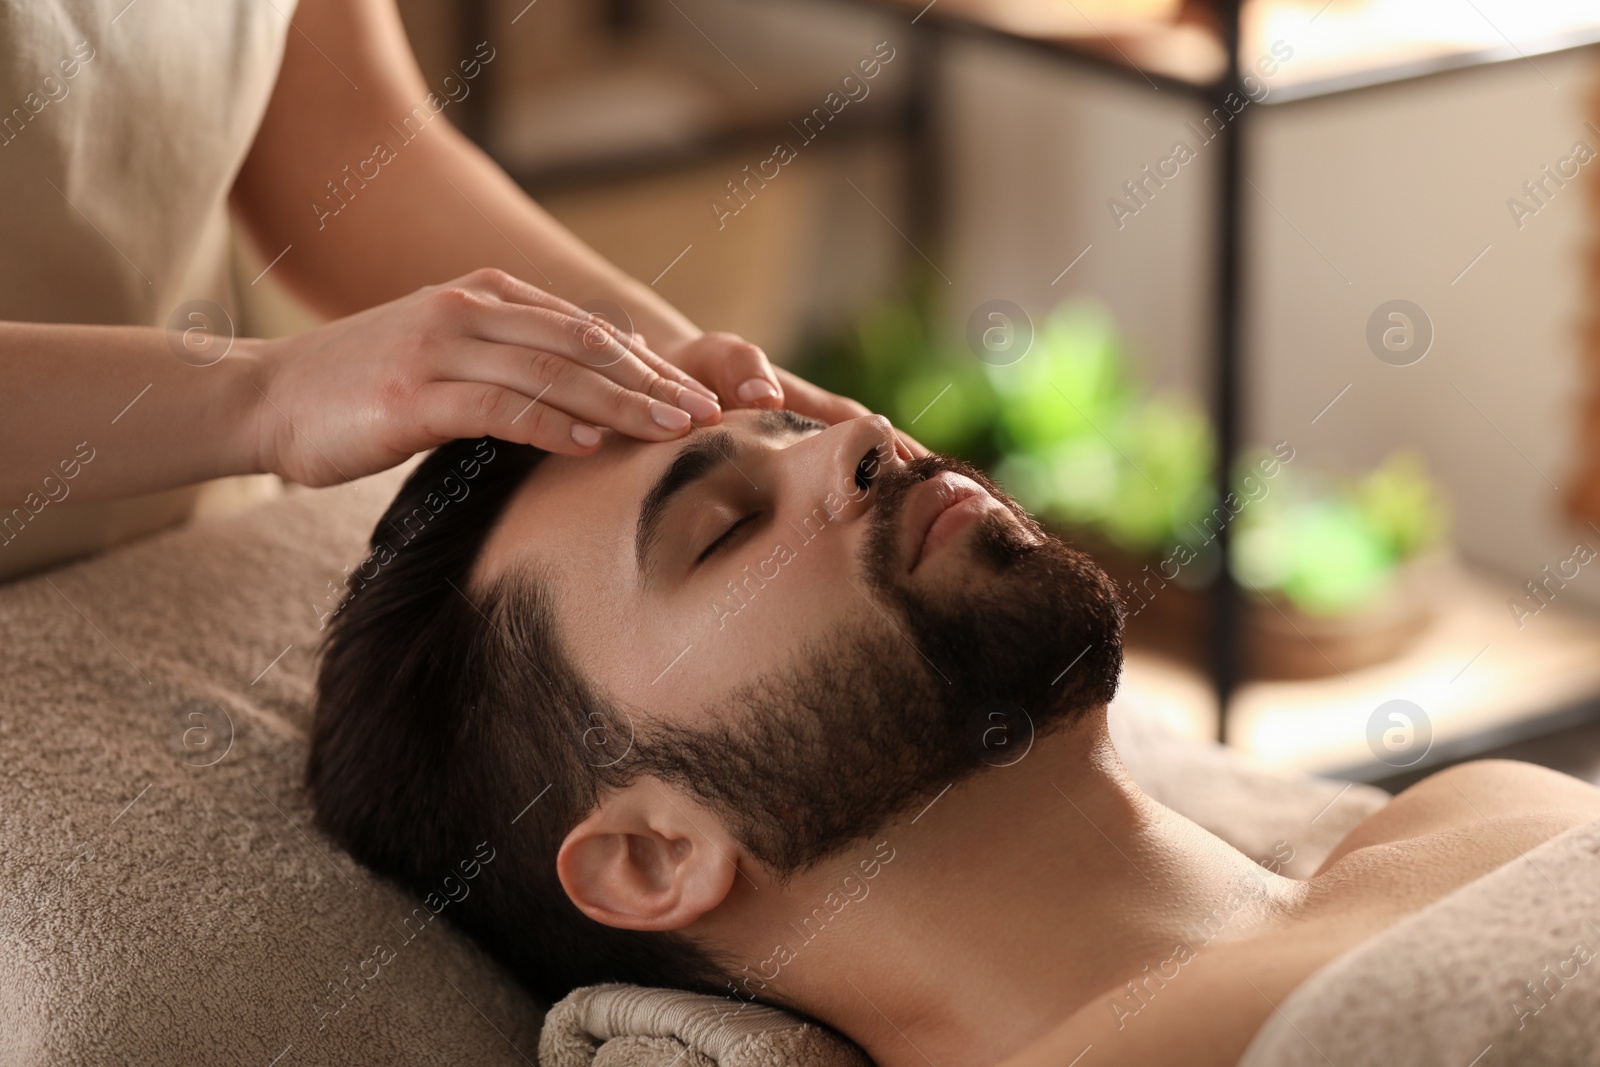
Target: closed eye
{"x": 726, "y": 539}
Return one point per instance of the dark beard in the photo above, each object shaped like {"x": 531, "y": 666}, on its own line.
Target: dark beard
{"x": 877, "y": 718}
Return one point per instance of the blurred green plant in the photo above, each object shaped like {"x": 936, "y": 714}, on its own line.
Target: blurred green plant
{"x": 1329, "y": 544}
{"x": 1073, "y": 434}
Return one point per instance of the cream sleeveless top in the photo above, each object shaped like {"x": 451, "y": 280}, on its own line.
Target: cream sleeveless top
{"x": 122, "y": 127}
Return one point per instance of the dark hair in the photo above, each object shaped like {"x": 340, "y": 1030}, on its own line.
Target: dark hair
{"x": 444, "y": 711}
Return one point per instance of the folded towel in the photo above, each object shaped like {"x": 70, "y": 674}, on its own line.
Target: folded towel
{"x": 627, "y": 1026}
{"x": 1503, "y": 971}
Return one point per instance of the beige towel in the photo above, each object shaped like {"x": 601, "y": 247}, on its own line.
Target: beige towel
{"x": 626, "y": 1026}
{"x": 164, "y": 899}
{"x": 1503, "y": 972}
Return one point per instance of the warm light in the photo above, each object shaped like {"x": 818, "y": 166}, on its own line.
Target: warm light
{"x": 1347, "y": 37}
{"x": 1079, "y": 18}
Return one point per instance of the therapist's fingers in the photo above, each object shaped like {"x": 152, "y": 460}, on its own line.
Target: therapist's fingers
{"x": 739, "y": 371}
{"x": 539, "y": 347}
{"x": 569, "y": 386}
{"x": 506, "y": 287}
{"x": 448, "y": 410}
{"x": 819, "y": 403}
{"x": 589, "y": 339}
{"x": 670, "y": 370}
{"x": 369, "y": 390}
{"x": 830, "y": 407}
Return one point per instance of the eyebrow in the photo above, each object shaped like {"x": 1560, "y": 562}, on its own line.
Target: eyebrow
{"x": 696, "y": 461}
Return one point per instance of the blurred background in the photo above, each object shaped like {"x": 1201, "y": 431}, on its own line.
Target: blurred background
{"x": 1016, "y": 226}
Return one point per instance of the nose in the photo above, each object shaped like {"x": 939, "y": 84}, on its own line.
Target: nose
{"x": 840, "y": 467}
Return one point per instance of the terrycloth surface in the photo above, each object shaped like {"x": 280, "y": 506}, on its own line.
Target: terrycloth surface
{"x": 1503, "y": 972}
{"x": 626, "y": 1026}
{"x": 165, "y": 900}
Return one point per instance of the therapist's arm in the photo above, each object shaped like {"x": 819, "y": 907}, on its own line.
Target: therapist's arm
{"x": 100, "y": 412}
{"x": 417, "y": 202}
{"x": 134, "y": 409}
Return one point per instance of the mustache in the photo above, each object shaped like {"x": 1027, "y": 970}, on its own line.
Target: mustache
{"x": 892, "y": 485}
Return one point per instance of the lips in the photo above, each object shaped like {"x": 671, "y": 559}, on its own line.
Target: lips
{"x": 927, "y": 504}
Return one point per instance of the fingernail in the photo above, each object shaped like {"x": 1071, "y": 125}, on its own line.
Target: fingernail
{"x": 667, "y": 416}
{"x": 586, "y": 436}
{"x": 698, "y": 406}
{"x": 755, "y": 389}
{"x": 701, "y": 389}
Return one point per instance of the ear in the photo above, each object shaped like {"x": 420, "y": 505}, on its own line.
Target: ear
{"x": 647, "y": 859}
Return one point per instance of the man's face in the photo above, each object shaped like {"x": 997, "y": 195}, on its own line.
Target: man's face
{"x": 803, "y": 625}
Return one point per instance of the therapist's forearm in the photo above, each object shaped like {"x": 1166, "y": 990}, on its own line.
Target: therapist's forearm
{"x": 442, "y": 211}
{"x": 99, "y": 412}
{"x": 375, "y": 194}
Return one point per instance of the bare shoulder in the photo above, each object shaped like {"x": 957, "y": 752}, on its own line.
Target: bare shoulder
{"x": 1444, "y": 831}
{"x": 1535, "y": 802}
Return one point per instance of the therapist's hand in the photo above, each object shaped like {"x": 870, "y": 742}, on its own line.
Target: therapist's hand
{"x": 483, "y": 354}
{"x": 743, "y": 377}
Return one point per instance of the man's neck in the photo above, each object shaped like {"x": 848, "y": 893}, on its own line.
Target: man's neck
{"x": 1007, "y": 904}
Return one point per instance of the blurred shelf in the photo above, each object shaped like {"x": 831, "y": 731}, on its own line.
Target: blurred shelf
{"x": 1483, "y": 684}
{"x": 643, "y": 113}
{"x": 1338, "y": 46}
{"x": 1154, "y": 41}
{"x": 641, "y": 109}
